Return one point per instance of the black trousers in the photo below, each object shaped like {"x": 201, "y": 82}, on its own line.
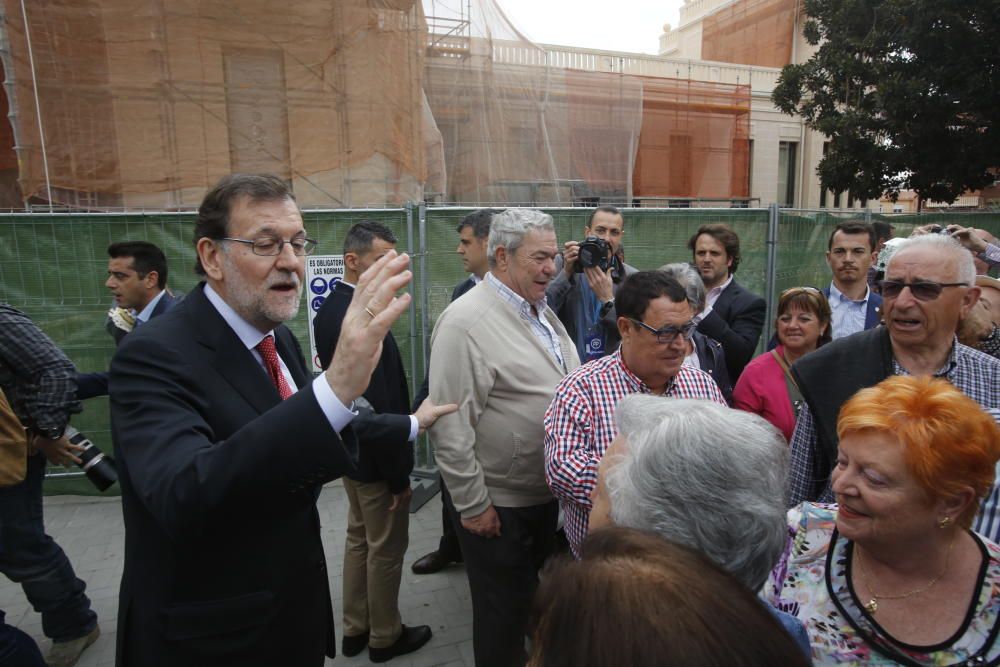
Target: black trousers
{"x": 449, "y": 539}
{"x": 503, "y": 576}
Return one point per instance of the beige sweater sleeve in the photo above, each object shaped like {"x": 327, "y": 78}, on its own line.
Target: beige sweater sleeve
{"x": 460, "y": 374}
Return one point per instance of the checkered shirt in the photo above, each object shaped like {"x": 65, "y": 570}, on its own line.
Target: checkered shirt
{"x": 580, "y": 425}
{"x": 991, "y": 255}
{"x": 976, "y": 374}
{"x": 539, "y": 324}
{"x": 36, "y": 376}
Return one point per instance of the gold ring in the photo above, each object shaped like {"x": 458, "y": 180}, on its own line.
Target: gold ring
{"x": 369, "y": 311}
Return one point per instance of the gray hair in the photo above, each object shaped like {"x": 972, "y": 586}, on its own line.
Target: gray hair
{"x": 703, "y": 475}
{"x": 511, "y": 226}
{"x": 965, "y": 269}
{"x": 690, "y": 280}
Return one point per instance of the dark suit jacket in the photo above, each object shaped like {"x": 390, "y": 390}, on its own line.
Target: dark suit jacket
{"x": 385, "y": 453}
{"x": 712, "y": 359}
{"x": 89, "y": 385}
{"x": 219, "y": 479}
{"x": 736, "y": 320}
{"x": 424, "y": 390}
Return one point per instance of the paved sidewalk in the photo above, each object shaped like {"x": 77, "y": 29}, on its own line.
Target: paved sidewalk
{"x": 91, "y": 532}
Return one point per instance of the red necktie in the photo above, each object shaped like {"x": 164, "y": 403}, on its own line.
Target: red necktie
{"x": 270, "y": 356}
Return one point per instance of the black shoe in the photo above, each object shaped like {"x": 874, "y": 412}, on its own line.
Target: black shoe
{"x": 351, "y": 646}
{"x": 433, "y": 562}
{"x": 410, "y": 639}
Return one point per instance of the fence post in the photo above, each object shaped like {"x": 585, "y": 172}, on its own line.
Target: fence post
{"x": 412, "y": 310}
{"x": 424, "y": 317}
{"x": 770, "y": 271}
{"x": 868, "y": 215}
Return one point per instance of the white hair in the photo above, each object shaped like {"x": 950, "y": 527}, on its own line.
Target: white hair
{"x": 690, "y": 280}
{"x": 703, "y": 475}
{"x": 509, "y": 228}
{"x": 965, "y": 269}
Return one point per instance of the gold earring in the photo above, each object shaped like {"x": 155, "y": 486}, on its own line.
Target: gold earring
{"x": 945, "y": 522}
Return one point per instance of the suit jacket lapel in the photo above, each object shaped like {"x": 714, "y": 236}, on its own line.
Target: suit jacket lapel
{"x": 291, "y": 355}
{"x": 233, "y": 360}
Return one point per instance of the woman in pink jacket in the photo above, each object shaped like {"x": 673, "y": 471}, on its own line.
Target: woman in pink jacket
{"x": 766, "y": 387}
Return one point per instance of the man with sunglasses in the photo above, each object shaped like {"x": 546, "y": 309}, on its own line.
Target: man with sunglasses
{"x": 929, "y": 287}
{"x": 656, "y": 323}
{"x": 223, "y": 440}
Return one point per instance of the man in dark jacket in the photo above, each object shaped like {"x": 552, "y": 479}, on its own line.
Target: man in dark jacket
{"x": 379, "y": 492}
{"x": 733, "y": 315}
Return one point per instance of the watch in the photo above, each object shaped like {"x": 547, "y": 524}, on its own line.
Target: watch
{"x": 51, "y": 433}
{"x": 607, "y": 305}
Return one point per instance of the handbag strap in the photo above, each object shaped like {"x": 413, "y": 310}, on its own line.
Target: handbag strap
{"x": 794, "y": 393}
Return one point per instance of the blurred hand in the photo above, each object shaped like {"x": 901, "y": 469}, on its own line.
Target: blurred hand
{"x": 571, "y": 250}
{"x": 59, "y": 452}
{"x": 429, "y": 412}
{"x": 600, "y": 282}
{"x": 968, "y": 237}
{"x": 401, "y": 501}
{"x": 486, "y": 524}
{"x": 361, "y": 333}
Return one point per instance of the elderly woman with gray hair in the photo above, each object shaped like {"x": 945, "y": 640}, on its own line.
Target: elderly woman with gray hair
{"x": 709, "y": 477}
{"x": 705, "y": 353}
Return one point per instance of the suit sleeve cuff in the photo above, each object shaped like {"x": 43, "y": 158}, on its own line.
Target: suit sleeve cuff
{"x": 338, "y": 414}
{"x": 414, "y": 428}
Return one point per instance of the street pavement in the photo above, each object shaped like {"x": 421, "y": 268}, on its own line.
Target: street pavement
{"x": 91, "y": 532}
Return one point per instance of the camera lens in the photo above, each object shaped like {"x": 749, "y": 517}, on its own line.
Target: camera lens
{"x": 98, "y": 466}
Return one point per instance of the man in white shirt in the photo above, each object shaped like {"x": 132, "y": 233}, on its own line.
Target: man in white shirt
{"x": 850, "y": 253}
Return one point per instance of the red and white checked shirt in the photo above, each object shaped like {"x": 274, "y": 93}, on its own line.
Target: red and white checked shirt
{"x": 580, "y": 425}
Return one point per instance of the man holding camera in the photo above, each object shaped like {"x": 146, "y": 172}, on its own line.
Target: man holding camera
{"x": 38, "y": 381}
{"x": 583, "y": 292}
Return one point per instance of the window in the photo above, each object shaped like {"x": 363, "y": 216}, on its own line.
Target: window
{"x": 786, "y": 173}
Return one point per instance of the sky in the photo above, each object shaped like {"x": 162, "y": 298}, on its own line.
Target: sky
{"x": 612, "y": 25}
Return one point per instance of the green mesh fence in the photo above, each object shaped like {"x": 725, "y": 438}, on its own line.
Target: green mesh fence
{"x": 53, "y": 267}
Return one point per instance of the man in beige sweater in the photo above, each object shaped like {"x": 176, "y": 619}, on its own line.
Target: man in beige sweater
{"x": 499, "y": 352}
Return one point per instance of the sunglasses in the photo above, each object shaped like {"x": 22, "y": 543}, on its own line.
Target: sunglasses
{"x": 922, "y": 290}
{"x": 668, "y": 335}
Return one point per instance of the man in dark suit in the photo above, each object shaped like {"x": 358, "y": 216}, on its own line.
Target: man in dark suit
{"x": 850, "y": 253}
{"x": 734, "y": 316}
{"x": 473, "y": 233}
{"x": 223, "y": 441}
{"x": 137, "y": 278}
{"x": 379, "y": 491}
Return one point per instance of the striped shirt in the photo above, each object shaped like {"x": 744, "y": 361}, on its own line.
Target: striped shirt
{"x": 976, "y": 374}
{"x": 580, "y": 425}
{"x": 991, "y": 255}
{"x": 540, "y": 326}
{"x": 847, "y": 316}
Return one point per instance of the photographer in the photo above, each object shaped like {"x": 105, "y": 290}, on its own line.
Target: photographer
{"x": 38, "y": 381}
{"x": 583, "y": 296}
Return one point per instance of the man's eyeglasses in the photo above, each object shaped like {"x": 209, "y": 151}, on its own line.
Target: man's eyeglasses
{"x": 269, "y": 246}
{"x": 668, "y": 335}
{"x": 922, "y": 290}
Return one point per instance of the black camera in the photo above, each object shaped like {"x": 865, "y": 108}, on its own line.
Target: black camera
{"x": 938, "y": 229}
{"x": 99, "y": 467}
{"x": 594, "y": 252}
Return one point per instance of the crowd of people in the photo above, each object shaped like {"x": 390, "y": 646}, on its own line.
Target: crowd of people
{"x": 623, "y": 482}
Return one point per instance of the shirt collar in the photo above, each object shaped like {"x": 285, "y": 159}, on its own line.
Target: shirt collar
{"x": 515, "y": 299}
{"x": 147, "y": 312}
{"x": 838, "y": 296}
{"x": 715, "y": 291}
{"x": 246, "y": 332}
{"x": 945, "y": 371}
{"x": 633, "y": 379}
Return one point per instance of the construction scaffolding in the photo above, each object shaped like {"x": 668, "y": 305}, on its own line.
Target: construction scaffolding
{"x": 144, "y": 104}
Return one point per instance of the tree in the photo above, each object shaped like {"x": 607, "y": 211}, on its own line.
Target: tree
{"x": 908, "y": 92}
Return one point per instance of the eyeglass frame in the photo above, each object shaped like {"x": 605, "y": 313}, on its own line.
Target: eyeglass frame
{"x": 935, "y": 287}
{"x": 308, "y": 245}
{"x": 686, "y": 331}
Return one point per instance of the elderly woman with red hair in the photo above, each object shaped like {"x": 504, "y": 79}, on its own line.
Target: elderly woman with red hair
{"x": 892, "y": 574}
